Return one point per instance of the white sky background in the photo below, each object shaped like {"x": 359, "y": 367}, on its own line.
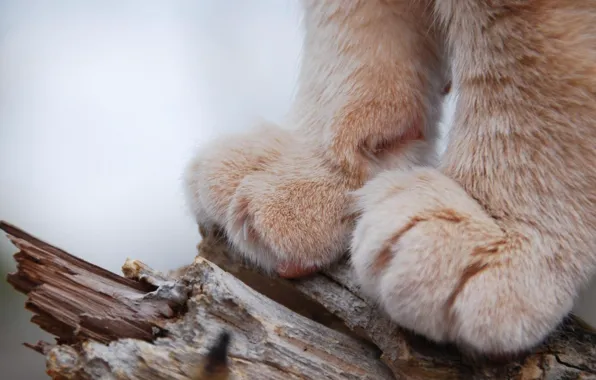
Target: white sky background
{"x": 102, "y": 103}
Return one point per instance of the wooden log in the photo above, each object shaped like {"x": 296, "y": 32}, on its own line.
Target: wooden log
{"x": 150, "y": 325}
{"x": 569, "y": 353}
{"x": 153, "y": 326}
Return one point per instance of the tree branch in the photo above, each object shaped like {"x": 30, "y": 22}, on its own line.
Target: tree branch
{"x": 153, "y": 326}
{"x": 150, "y": 325}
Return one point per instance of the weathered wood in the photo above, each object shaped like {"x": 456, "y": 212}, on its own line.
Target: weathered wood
{"x": 152, "y": 326}
{"x": 570, "y": 353}
{"x": 76, "y": 300}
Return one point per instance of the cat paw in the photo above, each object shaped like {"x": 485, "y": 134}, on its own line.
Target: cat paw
{"x": 289, "y": 219}
{"x": 215, "y": 172}
{"x": 439, "y": 265}
{"x": 275, "y": 200}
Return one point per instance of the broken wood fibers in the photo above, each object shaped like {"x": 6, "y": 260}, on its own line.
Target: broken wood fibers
{"x": 94, "y": 312}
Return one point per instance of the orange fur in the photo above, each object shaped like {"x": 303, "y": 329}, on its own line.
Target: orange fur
{"x": 519, "y": 171}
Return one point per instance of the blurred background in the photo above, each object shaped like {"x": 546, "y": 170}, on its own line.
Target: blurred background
{"x": 102, "y": 102}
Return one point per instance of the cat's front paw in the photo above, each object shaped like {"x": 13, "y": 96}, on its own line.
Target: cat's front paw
{"x": 440, "y": 266}
{"x": 289, "y": 219}
{"x": 214, "y": 173}
{"x": 277, "y": 203}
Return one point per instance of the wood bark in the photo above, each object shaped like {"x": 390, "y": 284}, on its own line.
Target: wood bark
{"x": 148, "y": 325}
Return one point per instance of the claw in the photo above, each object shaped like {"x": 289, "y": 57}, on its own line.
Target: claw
{"x": 283, "y": 266}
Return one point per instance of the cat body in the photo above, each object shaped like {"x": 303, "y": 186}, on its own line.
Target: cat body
{"x": 486, "y": 246}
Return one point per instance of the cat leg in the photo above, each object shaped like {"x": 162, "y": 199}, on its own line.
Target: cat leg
{"x": 368, "y": 93}
{"x": 490, "y": 250}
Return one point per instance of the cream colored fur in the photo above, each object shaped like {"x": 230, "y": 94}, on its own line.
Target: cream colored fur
{"x": 488, "y": 247}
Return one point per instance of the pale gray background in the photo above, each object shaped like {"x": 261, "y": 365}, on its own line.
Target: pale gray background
{"x": 102, "y": 103}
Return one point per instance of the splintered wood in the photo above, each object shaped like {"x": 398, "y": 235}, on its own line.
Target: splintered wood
{"x": 172, "y": 322}
{"x": 76, "y": 300}
{"x": 153, "y": 326}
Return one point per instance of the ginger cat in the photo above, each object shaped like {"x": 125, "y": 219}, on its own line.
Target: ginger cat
{"x": 486, "y": 246}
